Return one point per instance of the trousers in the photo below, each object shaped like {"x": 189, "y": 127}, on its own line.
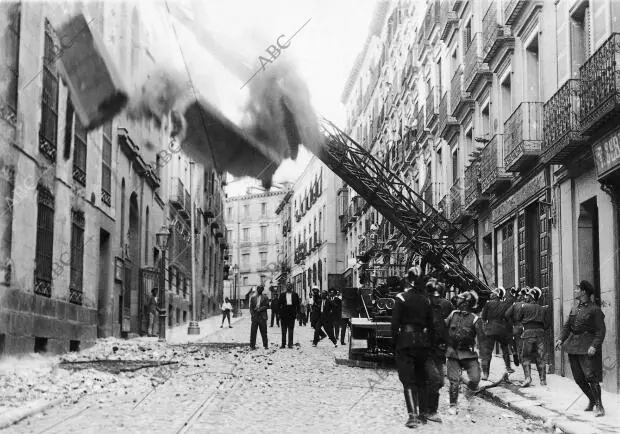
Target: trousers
{"x": 487, "y": 344}
{"x": 258, "y": 323}
{"x": 288, "y": 326}
{"x": 455, "y": 367}
{"x": 533, "y": 350}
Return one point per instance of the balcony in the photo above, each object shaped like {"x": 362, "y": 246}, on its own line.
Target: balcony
{"x": 492, "y": 172}
{"x": 187, "y": 205}
{"x": 475, "y": 69}
{"x": 443, "y": 206}
{"x": 513, "y": 9}
{"x": 494, "y": 35}
{"x": 523, "y": 136}
{"x": 420, "y": 121}
{"x": 431, "y": 107}
{"x": 459, "y": 99}
{"x": 473, "y": 193}
{"x": 449, "y": 19}
{"x": 427, "y": 195}
{"x": 209, "y": 208}
{"x": 458, "y": 211}
{"x": 447, "y": 124}
{"x": 600, "y": 87}
{"x": 245, "y": 244}
{"x": 562, "y": 124}
{"x": 344, "y": 221}
{"x": 177, "y": 194}
{"x": 432, "y": 18}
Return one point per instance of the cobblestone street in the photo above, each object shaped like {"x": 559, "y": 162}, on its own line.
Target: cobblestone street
{"x": 238, "y": 390}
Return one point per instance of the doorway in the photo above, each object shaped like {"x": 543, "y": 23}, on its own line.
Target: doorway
{"x": 587, "y": 240}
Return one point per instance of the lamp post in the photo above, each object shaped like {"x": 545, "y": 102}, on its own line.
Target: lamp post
{"x": 162, "y": 237}
{"x": 194, "y": 326}
{"x": 236, "y": 306}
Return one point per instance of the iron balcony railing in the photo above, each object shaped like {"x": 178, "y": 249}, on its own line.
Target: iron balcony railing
{"x": 600, "y": 85}
{"x": 447, "y": 123}
{"x": 457, "y": 200}
{"x": 443, "y": 206}
{"x": 473, "y": 192}
{"x": 492, "y": 171}
{"x": 523, "y": 135}
{"x": 493, "y": 33}
{"x": 448, "y": 18}
{"x": 562, "y": 126}
{"x": 474, "y": 66}
{"x": 431, "y": 106}
{"x": 432, "y": 17}
{"x": 456, "y": 89}
{"x": 187, "y": 204}
{"x": 177, "y": 193}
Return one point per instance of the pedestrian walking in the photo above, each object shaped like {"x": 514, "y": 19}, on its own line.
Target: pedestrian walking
{"x": 301, "y": 316}
{"x": 324, "y": 317}
{"x": 511, "y": 298}
{"x": 511, "y": 315}
{"x": 226, "y": 308}
{"x": 275, "y": 312}
{"x": 412, "y": 332}
{"x": 315, "y": 312}
{"x": 336, "y": 314}
{"x": 258, "y": 311}
{"x": 436, "y": 362}
{"x": 582, "y": 336}
{"x": 152, "y": 309}
{"x": 463, "y": 328}
{"x": 309, "y": 303}
{"x": 288, "y": 306}
{"x": 496, "y": 329}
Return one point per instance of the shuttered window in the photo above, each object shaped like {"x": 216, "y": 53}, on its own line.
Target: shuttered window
{"x": 11, "y": 56}
{"x": 79, "y": 152}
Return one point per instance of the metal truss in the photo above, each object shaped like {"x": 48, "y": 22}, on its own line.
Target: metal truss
{"x": 423, "y": 229}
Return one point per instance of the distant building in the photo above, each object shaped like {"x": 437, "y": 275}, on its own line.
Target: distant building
{"x": 254, "y": 234}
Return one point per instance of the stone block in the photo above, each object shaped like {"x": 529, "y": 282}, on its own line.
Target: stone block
{"x": 21, "y": 323}
{"x": 72, "y": 312}
{"x": 44, "y": 306}
{"x": 5, "y": 321}
{"x": 9, "y": 299}
{"x": 47, "y": 327}
{"x": 18, "y": 344}
{"x": 61, "y": 311}
{"x": 95, "y": 86}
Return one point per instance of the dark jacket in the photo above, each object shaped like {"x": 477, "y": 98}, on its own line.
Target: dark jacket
{"x": 441, "y": 310}
{"x": 336, "y": 310}
{"x": 288, "y": 312}
{"x": 494, "y": 316}
{"x": 259, "y": 312}
{"x": 463, "y": 327}
{"x": 412, "y": 321}
{"x": 275, "y": 305}
{"x": 584, "y": 328}
{"x": 327, "y": 315}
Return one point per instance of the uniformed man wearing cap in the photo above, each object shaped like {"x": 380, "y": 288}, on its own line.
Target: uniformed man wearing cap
{"x": 496, "y": 329}
{"x": 412, "y": 333}
{"x": 535, "y": 320}
{"x": 511, "y": 315}
{"x": 582, "y": 338}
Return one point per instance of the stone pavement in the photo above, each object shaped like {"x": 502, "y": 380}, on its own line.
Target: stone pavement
{"x": 208, "y": 327}
{"x": 223, "y": 390}
{"x": 558, "y": 404}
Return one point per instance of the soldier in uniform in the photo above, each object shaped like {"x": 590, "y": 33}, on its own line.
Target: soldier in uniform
{"x": 517, "y": 328}
{"x": 413, "y": 331}
{"x": 582, "y": 337}
{"x": 436, "y": 363}
{"x": 496, "y": 329}
{"x": 463, "y": 328}
{"x": 534, "y": 319}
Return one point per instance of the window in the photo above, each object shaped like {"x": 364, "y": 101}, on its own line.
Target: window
{"x": 263, "y": 209}
{"x": 246, "y": 234}
{"x": 245, "y": 280}
{"x": 246, "y": 211}
{"x": 469, "y": 142}
{"x": 263, "y": 233}
{"x": 580, "y": 37}
{"x": 486, "y": 122}
{"x": 439, "y": 78}
{"x": 77, "y": 257}
{"x": 454, "y": 63}
{"x": 455, "y": 165}
{"x": 49, "y": 101}
{"x": 229, "y": 235}
{"x": 467, "y": 39}
{"x": 506, "y": 98}
{"x": 263, "y": 259}
{"x": 79, "y": 152}
{"x": 106, "y": 164}
{"x": 69, "y": 116}
{"x": 45, "y": 242}
{"x": 11, "y": 55}
{"x": 229, "y": 212}
{"x": 122, "y": 217}
{"x": 532, "y": 65}
{"x": 245, "y": 261}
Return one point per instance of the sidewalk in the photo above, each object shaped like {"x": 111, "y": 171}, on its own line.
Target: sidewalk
{"x": 178, "y": 335}
{"x": 559, "y": 404}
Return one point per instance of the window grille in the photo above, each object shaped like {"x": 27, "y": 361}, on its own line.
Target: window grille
{"x": 45, "y": 242}
{"x": 79, "y": 152}
{"x": 49, "y": 102}
{"x": 77, "y": 257}
{"x": 106, "y": 165}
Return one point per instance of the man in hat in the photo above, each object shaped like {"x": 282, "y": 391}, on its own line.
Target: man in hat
{"x": 324, "y": 315}
{"x": 517, "y": 327}
{"x": 413, "y": 333}
{"x": 496, "y": 329}
{"x": 535, "y": 321}
{"x": 258, "y": 311}
{"x": 315, "y": 313}
{"x": 288, "y": 306}
{"x": 582, "y": 337}
{"x": 463, "y": 328}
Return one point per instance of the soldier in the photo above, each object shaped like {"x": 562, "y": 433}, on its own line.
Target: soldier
{"x": 534, "y": 319}
{"x": 412, "y": 331}
{"x": 582, "y": 337}
{"x": 496, "y": 330}
{"x": 463, "y": 326}
{"x": 436, "y": 362}
{"x": 511, "y": 298}
{"x": 517, "y": 328}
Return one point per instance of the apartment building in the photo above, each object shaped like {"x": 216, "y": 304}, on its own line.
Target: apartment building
{"x": 510, "y": 131}
{"x": 82, "y": 208}
{"x": 255, "y": 237}
{"x": 286, "y": 254}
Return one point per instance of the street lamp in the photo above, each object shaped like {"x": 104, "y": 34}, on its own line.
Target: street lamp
{"x": 236, "y": 306}
{"x": 162, "y": 237}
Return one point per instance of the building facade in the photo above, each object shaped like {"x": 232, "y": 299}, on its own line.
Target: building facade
{"x": 82, "y": 208}
{"x": 520, "y": 152}
{"x": 255, "y": 236}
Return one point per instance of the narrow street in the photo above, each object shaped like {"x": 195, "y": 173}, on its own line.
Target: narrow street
{"x": 232, "y": 389}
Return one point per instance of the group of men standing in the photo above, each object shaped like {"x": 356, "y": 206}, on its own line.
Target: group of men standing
{"x": 325, "y": 314}
{"x": 434, "y": 337}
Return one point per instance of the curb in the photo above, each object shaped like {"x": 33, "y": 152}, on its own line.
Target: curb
{"x": 535, "y": 410}
{"x": 30, "y": 409}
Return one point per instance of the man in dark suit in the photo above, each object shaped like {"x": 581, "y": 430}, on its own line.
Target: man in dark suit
{"x": 324, "y": 315}
{"x": 288, "y": 305}
{"x": 275, "y": 312}
{"x": 337, "y": 322}
{"x": 258, "y": 311}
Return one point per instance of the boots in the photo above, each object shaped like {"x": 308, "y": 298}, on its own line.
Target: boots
{"x": 454, "y": 395}
{"x": 411, "y": 398}
{"x": 506, "y": 357}
{"x": 527, "y": 373}
{"x": 598, "y": 402}
{"x": 486, "y": 367}
{"x": 585, "y": 388}
{"x": 542, "y": 373}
